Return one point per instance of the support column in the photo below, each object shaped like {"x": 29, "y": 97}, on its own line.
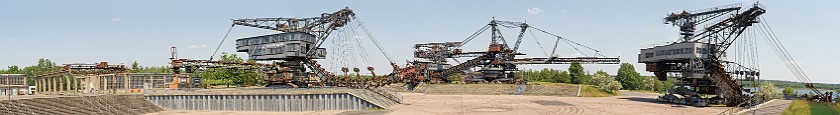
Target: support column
{"x": 53, "y": 85}
{"x": 104, "y": 85}
{"x": 95, "y": 81}
{"x": 108, "y": 82}
{"x": 85, "y": 84}
{"x": 126, "y": 81}
{"x": 60, "y": 84}
{"x": 43, "y": 85}
{"x": 68, "y": 82}
{"x": 151, "y": 82}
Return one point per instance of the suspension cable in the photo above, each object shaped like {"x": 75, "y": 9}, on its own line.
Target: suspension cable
{"x": 782, "y": 53}
{"x": 538, "y": 43}
{"x": 473, "y": 36}
{"x": 570, "y": 42}
{"x": 223, "y": 41}
{"x": 363, "y": 53}
{"x": 375, "y": 42}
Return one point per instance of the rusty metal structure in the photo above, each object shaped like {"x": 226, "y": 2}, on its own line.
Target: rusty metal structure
{"x": 292, "y": 53}
{"x": 700, "y": 60}
{"x": 496, "y": 64}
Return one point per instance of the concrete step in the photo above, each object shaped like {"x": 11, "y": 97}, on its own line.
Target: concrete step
{"x": 56, "y": 106}
{"x": 38, "y": 108}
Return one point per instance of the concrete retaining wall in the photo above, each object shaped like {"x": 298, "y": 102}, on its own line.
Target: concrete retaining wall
{"x": 273, "y": 102}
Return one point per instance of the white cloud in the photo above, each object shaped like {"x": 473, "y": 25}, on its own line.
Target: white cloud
{"x": 117, "y": 19}
{"x": 535, "y": 11}
{"x": 11, "y": 39}
{"x": 196, "y": 46}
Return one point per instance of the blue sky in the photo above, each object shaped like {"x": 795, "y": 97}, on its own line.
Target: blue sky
{"x": 124, "y": 31}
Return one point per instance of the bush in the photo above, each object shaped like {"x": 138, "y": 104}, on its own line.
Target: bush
{"x": 770, "y": 91}
{"x": 605, "y": 81}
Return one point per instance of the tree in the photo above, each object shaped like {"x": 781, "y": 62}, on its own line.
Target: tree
{"x": 605, "y": 81}
{"x": 647, "y": 83}
{"x": 44, "y": 66}
{"x": 135, "y": 67}
{"x": 576, "y": 73}
{"x": 13, "y": 70}
{"x": 628, "y": 77}
{"x": 223, "y": 76}
{"x": 788, "y": 91}
{"x": 770, "y": 90}
{"x": 658, "y": 86}
{"x": 564, "y": 77}
{"x": 545, "y": 75}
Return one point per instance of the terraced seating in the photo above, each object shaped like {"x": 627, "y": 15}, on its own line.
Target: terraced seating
{"x": 80, "y": 105}
{"x": 51, "y": 104}
{"x": 38, "y": 108}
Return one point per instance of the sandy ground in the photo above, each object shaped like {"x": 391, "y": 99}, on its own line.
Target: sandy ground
{"x": 243, "y": 113}
{"x": 417, "y": 104}
{"x": 631, "y": 103}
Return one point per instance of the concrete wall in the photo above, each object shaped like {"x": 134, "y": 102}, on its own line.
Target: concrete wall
{"x": 275, "y": 102}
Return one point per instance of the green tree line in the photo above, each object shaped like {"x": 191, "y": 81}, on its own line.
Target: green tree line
{"x": 627, "y": 78}
{"x": 43, "y": 66}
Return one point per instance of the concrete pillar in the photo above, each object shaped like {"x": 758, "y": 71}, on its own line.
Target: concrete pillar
{"x": 105, "y": 84}
{"x": 54, "y": 84}
{"x": 85, "y": 84}
{"x": 69, "y": 82}
{"x": 96, "y": 84}
{"x": 43, "y": 85}
{"x": 61, "y": 83}
{"x": 151, "y": 81}
{"x": 90, "y": 82}
{"x": 126, "y": 81}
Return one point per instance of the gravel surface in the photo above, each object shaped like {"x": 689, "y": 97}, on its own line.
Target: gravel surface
{"x": 417, "y": 104}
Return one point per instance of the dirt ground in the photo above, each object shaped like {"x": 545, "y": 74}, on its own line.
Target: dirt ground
{"x": 417, "y": 103}
{"x": 632, "y": 103}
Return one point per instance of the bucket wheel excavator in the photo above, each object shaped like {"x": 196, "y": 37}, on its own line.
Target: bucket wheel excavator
{"x": 700, "y": 62}
{"x": 293, "y": 51}
{"x": 497, "y": 64}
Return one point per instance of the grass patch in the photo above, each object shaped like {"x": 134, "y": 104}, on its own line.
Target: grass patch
{"x": 804, "y": 107}
{"x": 590, "y": 91}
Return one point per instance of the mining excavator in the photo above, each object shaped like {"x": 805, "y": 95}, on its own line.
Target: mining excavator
{"x": 497, "y": 64}
{"x": 699, "y": 60}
